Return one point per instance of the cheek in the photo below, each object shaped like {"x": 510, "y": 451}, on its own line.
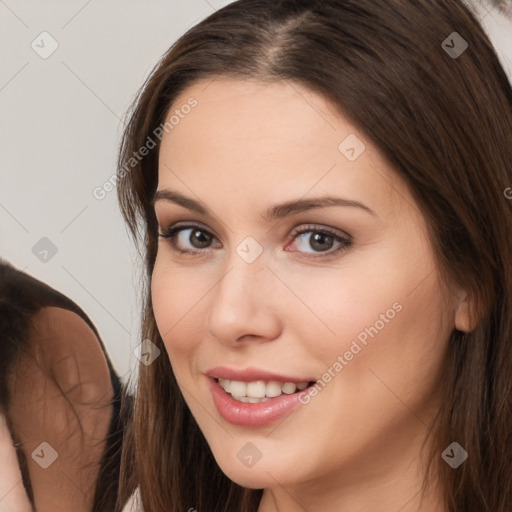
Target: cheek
{"x": 335, "y": 306}
{"x": 176, "y": 299}
{"x": 390, "y": 348}
{"x": 382, "y": 311}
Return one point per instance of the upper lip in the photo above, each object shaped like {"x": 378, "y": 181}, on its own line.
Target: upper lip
{"x": 252, "y": 374}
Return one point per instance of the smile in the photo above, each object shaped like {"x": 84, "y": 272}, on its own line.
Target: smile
{"x": 259, "y": 390}
{"x": 256, "y": 403}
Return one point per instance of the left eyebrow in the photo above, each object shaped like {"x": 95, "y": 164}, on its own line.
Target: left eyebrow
{"x": 275, "y": 212}
{"x": 293, "y": 207}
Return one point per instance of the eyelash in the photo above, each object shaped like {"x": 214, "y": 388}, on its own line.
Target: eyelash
{"x": 171, "y": 233}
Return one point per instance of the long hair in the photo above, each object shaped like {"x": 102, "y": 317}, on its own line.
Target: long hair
{"x": 444, "y": 122}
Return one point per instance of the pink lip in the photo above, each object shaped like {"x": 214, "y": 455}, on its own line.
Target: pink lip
{"x": 253, "y": 415}
{"x": 252, "y": 374}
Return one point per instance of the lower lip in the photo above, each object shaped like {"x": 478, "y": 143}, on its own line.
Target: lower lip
{"x": 246, "y": 414}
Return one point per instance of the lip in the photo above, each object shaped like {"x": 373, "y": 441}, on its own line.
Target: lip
{"x": 245, "y": 414}
{"x": 253, "y": 374}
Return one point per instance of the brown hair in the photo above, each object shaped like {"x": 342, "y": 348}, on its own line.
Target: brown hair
{"x": 445, "y": 125}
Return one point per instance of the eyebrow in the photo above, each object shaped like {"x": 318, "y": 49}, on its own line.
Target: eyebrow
{"x": 275, "y": 212}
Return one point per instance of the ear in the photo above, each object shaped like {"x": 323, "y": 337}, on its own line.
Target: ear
{"x": 462, "y": 313}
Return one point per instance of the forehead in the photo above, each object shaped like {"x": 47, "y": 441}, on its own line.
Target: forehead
{"x": 260, "y": 119}
{"x": 274, "y": 139}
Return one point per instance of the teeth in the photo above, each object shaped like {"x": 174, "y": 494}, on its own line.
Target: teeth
{"x": 237, "y": 388}
{"x": 250, "y": 399}
{"x": 225, "y": 385}
{"x": 256, "y": 389}
{"x": 273, "y": 389}
{"x": 289, "y": 388}
{"x": 259, "y": 391}
{"x": 253, "y": 400}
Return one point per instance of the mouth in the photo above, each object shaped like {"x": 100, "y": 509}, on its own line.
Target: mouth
{"x": 258, "y": 403}
{"x": 258, "y": 391}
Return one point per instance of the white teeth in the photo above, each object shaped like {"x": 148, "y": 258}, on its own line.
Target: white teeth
{"x": 250, "y": 399}
{"x": 225, "y": 385}
{"x": 253, "y": 400}
{"x": 273, "y": 389}
{"x": 289, "y": 388}
{"x": 259, "y": 391}
{"x": 256, "y": 389}
{"x": 237, "y": 388}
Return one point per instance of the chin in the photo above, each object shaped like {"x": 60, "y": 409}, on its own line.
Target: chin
{"x": 263, "y": 474}
{"x": 251, "y": 479}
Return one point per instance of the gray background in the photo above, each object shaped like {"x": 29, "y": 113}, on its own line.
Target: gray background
{"x": 61, "y": 121}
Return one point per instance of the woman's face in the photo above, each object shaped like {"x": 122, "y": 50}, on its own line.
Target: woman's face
{"x": 353, "y": 302}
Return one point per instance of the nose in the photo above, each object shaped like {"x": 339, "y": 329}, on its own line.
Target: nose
{"x": 245, "y": 304}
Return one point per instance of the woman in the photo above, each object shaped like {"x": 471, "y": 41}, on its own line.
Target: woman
{"x": 319, "y": 193}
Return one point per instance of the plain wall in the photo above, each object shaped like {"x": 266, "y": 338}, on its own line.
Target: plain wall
{"x": 61, "y": 121}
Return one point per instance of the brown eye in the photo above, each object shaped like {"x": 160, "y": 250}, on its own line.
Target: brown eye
{"x": 318, "y": 242}
{"x": 321, "y": 241}
{"x": 199, "y": 239}
{"x": 189, "y": 239}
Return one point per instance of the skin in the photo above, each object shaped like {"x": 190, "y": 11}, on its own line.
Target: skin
{"x": 12, "y": 492}
{"x": 356, "y": 445}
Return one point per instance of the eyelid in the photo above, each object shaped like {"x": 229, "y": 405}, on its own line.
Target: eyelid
{"x": 176, "y": 228}
{"x": 304, "y": 227}
{"x": 321, "y": 228}
{"x": 341, "y": 237}
{"x": 182, "y": 225}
